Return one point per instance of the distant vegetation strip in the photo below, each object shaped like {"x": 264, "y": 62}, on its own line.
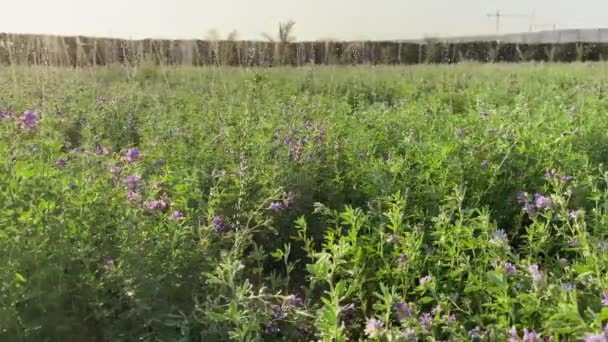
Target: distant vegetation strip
{"x": 19, "y": 49}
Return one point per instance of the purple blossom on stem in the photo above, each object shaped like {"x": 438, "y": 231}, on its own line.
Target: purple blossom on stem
{"x": 476, "y": 333}
{"x": 512, "y": 335}
{"x": 605, "y": 298}
{"x": 575, "y": 213}
{"x": 402, "y": 259}
{"x": 565, "y": 179}
{"x": 29, "y": 119}
{"x": 132, "y": 182}
{"x": 550, "y": 173}
{"x": 177, "y": 216}
{"x": 529, "y": 208}
{"x": 155, "y": 205}
{"x": 276, "y": 206}
{"x": 510, "y": 269}
{"x": 426, "y": 321}
{"x": 132, "y": 155}
{"x": 133, "y": 197}
{"x": 219, "y": 224}
{"x": 278, "y": 312}
{"x": 102, "y": 150}
{"x": 595, "y": 338}
{"x": 485, "y": 163}
{"x": 500, "y": 237}
{"x": 108, "y": 262}
{"x": 535, "y": 273}
{"x": 60, "y": 163}
{"x": 403, "y": 310}
{"x": 542, "y": 202}
{"x": 373, "y": 328}
{"x": 603, "y": 246}
{"x": 450, "y": 318}
{"x": 5, "y": 115}
{"x": 293, "y": 301}
{"x": 522, "y": 197}
{"x": 531, "y": 336}
{"x": 115, "y": 170}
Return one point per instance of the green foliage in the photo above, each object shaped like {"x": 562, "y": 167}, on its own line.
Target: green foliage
{"x": 332, "y": 204}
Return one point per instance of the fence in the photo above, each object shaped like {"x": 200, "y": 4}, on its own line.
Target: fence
{"x": 86, "y": 51}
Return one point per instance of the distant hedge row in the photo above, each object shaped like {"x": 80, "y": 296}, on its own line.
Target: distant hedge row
{"x": 85, "y": 51}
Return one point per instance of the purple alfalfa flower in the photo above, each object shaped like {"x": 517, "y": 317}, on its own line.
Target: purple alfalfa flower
{"x": 569, "y": 287}
{"x": 451, "y": 318}
{"x": 603, "y": 246}
{"x": 402, "y": 259}
{"x": 288, "y": 199}
{"x": 605, "y": 298}
{"x": 531, "y": 336}
{"x": 500, "y": 237}
{"x": 575, "y": 213}
{"x": 529, "y": 208}
{"x": 347, "y": 312}
{"x": 512, "y": 335}
{"x": 510, "y": 269}
{"x": 373, "y": 328}
{"x": 177, "y": 216}
{"x": 595, "y": 338}
{"x": 29, "y": 119}
{"x": 426, "y": 321}
{"x": 132, "y": 155}
{"x": 115, "y": 170}
{"x": 61, "y": 163}
{"x": 476, "y": 333}
{"x": 101, "y": 150}
{"x": 133, "y": 197}
{"x": 132, "y": 182}
{"x": 278, "y": 312}
{"x": 276, "y": 206}
{"x": 155, "y": 205}
{"x": 219, "y": 224}
{"x": 159, "y": 162}
{"x": 108, "y": 262}
{"x": 550, "y": 173}
{"x": 565, "y": 179}
{"x": 408, "y": 335}
{"x": 537, "y": 276}
{"x": 425, "y": 280}
{"x": 403, "y": 310}
{"x": 485, "y": 163}
{"x": 5, "y": 115}
{"x": 522, "y": 197}
{"x": 542, "y": 202}
{"x": 293, "y": 301}
{"x": 573, "y": 243}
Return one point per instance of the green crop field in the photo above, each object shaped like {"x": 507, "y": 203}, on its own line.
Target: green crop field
{"x": 423, "y": 203}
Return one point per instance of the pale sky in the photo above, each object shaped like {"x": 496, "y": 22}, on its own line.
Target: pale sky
{"x": 315, "y": 19}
